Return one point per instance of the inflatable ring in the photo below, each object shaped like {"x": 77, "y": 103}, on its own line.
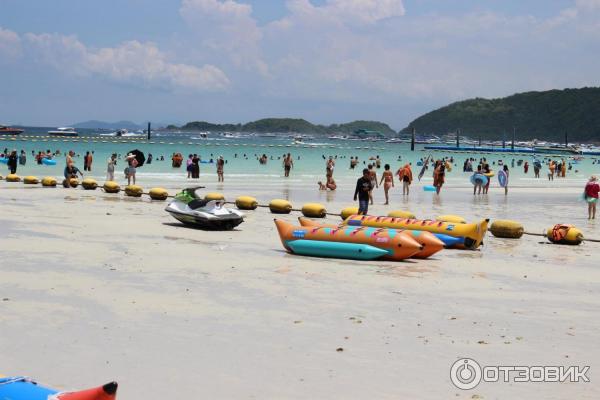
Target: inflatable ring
{"x": 401, "y": 214}
{"x": 246, "y": 203}
{"x": 89, "y": 184}
{"x": 314, "y": 210}
{"x": 158, "y": 194}
{"x": 348, "y": 211}
{"x": 111, "y": 187}
{"x": 503, "y": 228}
{"x": 214, "y": 196}
{"x": 49, "y": 181}
{"x": 280, "y": 206}
{"x": 451, "y": 218}
{"x": 134, "y": 191}
{"x": 31, "y": 180}
{"x": 13, "y": 178}
{"x": 489, "y": 174}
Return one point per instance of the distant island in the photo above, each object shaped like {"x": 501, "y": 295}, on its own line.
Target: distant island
{"x": 290, "y": 125}
{"x": 547, "y": 115}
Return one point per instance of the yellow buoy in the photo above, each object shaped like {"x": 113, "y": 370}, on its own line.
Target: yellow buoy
{"x": 158, "y": 194}
{"x": 133, "y": 191}
{"x": 49, "y": 181}
{"x": 246, "y": 203}
{"x": 564, "y": 234}
{"x": 31, "y": 180}
{"x": 401, "y": 214}
{"x": 455, "y": 219}
{"x": 89, "y": 184}
{"x": 74, "y": 182}
{"x": 13, "y": 178}
{"x": 314, "y": 210}
{"x": 111, "y": 187}
{"x": 280, "y": 206}
{"x": 348, "y": 211}
{"x": 504, "y": 228}
{"x": 214, "y": 196}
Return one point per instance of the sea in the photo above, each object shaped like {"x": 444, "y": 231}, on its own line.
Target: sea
{"x": 242, "y": 168}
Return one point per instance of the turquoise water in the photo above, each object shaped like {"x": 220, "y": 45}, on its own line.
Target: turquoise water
{"x": 242, "y": 168}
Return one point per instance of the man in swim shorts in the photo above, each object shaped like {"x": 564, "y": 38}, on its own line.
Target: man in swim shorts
{"x": 288, "y": 164}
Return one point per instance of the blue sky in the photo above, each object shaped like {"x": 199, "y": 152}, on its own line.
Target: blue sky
{"x": 328, "y": 61}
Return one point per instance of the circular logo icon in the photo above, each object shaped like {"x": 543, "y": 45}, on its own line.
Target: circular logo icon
{"x": 465, "y": 373}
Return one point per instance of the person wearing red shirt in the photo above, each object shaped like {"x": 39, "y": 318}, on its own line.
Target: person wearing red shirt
{"x": 591, "y": 196}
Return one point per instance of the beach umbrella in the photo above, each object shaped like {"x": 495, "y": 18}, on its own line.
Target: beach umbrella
{"x": 139, "y": 156}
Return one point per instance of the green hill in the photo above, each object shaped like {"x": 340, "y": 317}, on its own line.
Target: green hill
{"x": 288, "y": 125}
{"x": 543, "y": 115}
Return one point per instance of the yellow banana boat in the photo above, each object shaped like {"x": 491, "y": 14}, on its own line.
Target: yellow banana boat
{"x": 471, "y": 235}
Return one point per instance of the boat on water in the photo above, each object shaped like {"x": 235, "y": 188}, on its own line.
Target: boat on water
{"x": 122, "y": 133}
{"x": 557, "y": 149}
{"x": 64, "y": 131}
{"x": 7, "y": 130}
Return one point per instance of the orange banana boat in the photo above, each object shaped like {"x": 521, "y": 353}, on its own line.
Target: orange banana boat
{"x": 431, "y": 244}
{"x": 347, "y": 242}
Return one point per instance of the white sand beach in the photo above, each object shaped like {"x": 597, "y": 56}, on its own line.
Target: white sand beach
{"x": 98, "y": 287}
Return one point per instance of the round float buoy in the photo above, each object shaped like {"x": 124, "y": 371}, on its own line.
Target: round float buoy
{"x": 134, "y": 190}
{"x": 401, "y": 214}
{"x": 564, "y": 234}
{"x": 348, "y": 211}
{"x": 73, "y": 182}
{"x": 214, "y": 196}
{"x": 158, "y": 194}
{"x": 314, "y": 210}
{"x": 246, "y": 203}
{"x": 280, "y": 206}
{"x": 31, "y": 180}
{"x": 111, "y": 187}
{"x": 13, "y": 178}
{"x": 504, "y": 228}
{"x": 89, "y": 184}
{"x": 49, "y": 181}
{"x": 455, "y": 219}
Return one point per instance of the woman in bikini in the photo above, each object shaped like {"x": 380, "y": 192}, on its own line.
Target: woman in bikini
{"x": 387, "y": 178}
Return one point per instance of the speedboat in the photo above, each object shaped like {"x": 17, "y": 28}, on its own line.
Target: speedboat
{"x": 64, "y": 131}
{"x": 188, "y": 208}
{"x": 7, "y": 130}
{"x": 122, "y": 133}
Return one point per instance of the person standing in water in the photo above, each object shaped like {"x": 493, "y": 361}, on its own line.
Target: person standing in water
{"x": 591, "y": 196}
{"x": 405, "y": 176}
{"x": 363, "y": 192}
{"x": 387, "y": 178}
{"x": 439, "y": 172}
{"x": 131, "y": 169}
{"x": 288, "y": 164}
{"x": 110, "y": 167}
{"x": 12, "y": 162}
{"x": 220, "y": 165}
{"x": 505, "y": 169}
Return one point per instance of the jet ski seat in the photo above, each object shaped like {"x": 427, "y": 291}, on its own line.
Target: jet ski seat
{"x": 197, "y": 203}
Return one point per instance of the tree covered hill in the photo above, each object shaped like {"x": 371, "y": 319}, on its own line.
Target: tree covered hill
{"x": 287, "y": 125}
{"x": 546, "y": 115}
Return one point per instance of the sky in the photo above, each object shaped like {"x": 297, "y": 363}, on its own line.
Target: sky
{"x": 328, "y": 61}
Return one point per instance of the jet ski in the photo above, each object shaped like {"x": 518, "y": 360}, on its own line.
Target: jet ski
{"x": 188, "y": 208}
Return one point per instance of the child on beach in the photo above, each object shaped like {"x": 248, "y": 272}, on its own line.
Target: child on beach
{"x": 592, "y": 188}
{"x": 363, "y": 190}
{"x": 505, "y": 169}
{"x": 478, "y": 182}
{"x": 387, "y": 178}
{"x": 188, "y": 166}
{"x": 110, "y": 167}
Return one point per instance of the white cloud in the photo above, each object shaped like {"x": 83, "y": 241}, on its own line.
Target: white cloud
{"x": 226, "y": 27}
{"x": 10, "y": 45}
{"x": 131, "y": 62}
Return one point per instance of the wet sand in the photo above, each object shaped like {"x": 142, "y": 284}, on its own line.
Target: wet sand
{"x": 97, "y": 287}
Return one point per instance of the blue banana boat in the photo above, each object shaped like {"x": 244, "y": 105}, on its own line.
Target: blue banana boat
{"x": 318, "y": 248}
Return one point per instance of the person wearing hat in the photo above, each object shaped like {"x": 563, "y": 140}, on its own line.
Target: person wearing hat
{"x": 220, "y": 165}
{"x": 591, "y": 196}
